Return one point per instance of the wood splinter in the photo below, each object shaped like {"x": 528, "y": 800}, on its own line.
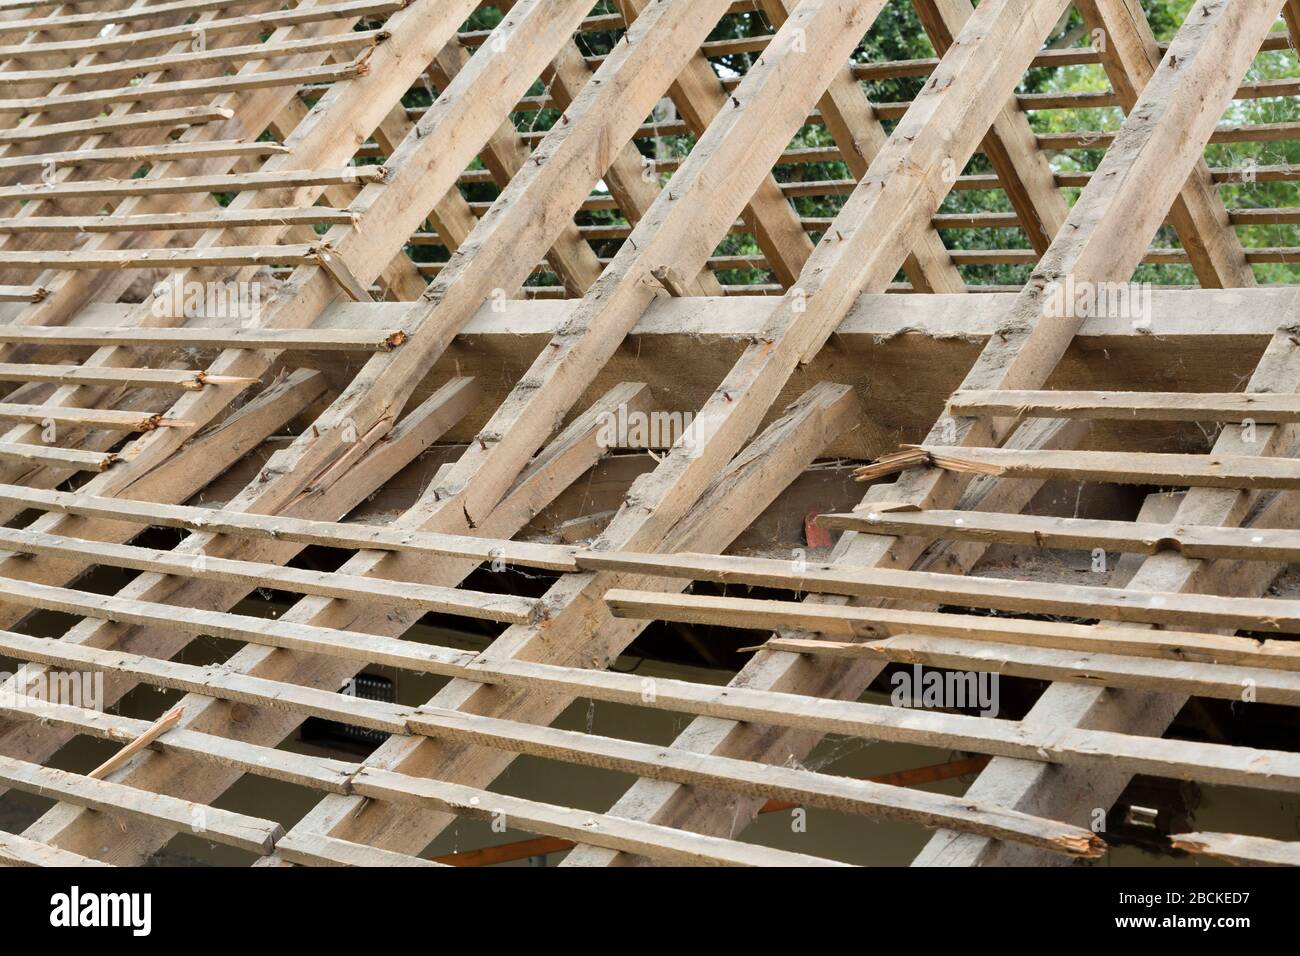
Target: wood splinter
{"x": 916, "y": 455}
{"x": 203, "y": 378}
{"x": 159, "y": 727}
{"x": 671, "y": 280}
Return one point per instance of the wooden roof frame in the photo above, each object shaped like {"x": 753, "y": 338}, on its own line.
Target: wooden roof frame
{"x": 292, "y": 161}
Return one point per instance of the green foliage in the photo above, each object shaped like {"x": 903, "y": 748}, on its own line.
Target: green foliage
{"x": 897, "y": 35}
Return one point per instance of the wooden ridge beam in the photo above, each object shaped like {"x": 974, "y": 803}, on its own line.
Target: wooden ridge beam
{"x": 1180, "y": 318}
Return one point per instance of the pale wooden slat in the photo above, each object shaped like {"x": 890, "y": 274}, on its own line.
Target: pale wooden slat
{"x": 1242, "y": 850}
{"x": 216, "y": 338}
{"x": 220, "y": 826}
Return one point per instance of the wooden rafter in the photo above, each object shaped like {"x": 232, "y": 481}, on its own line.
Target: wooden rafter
{"x": 457, "y": 300}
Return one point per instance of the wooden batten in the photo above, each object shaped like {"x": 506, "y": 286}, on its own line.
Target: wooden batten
{"x": 301, "y": 380}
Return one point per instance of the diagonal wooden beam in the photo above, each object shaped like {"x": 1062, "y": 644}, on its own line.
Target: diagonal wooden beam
{"x": 673, "y": 240}
{"x": 505, "y": 154}
{"x": 522, "y": 225}
{"x": 330, "y": 135}
{"x": 249, "y": 112}
{"x": 1103, "y": 240}
{"x": 660, "y": 499}
{"x": 414, "y": 435}
{"x": 1291, "y": 14}
{"x": 1142, "y": 712}
{"x": 1130, "y": 57}
{"x": 573, "y": 453}
{"x": 738, "y": 495}
{"x": 858, "y": 133}
{"x": 365, "y": 249}
{"x": 699, "y": 96}
{"x": 1021, "y": 167}
{"x": 628, "y": 176}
